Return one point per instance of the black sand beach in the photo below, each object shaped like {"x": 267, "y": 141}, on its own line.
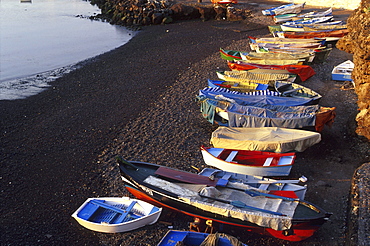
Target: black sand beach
{"x": 58, "y": 147}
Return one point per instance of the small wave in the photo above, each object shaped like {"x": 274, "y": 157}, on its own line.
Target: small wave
{"x": 32, "y": 85}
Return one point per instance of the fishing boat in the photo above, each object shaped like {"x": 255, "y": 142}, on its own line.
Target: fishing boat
{"x": 237, "y": 86}
{"x": 283, "y": 17}
{"x": 343, "y": 71}
{"x": 198, "y": 196}
{"x": 335, "y": 25}
{"x": 284, "y": 9}
{"x": 247, "y": 162}
{"x": 294, "y": 188}
{"x": 269, "y": 46}
{"x": 310, "y": 21}
{"x": 259, "y": 75}
{"x": 232, "y": 114}
{"x": 252, "y": 98}
{"x": 192, "y": 238}
{"x": 279, "y": 40}
{"x": 314, "y": 14}
{"x": 303, "y": 71}
{"x": 304, "y": 57}
{"x": 271, "y": 139}
{"x": 295, "y": 90}
{"x": 116, "y": 214}
{"x": 230, "y": 55}
{"x": 328, "y": 35}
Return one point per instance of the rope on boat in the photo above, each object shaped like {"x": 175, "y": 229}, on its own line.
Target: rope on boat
{"x": 212, "y": 240}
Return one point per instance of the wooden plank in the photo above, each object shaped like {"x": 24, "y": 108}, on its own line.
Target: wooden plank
{"x": 187, "y": 177}
{"x": 231, "y": 156}
{"x": 268, "y": 161}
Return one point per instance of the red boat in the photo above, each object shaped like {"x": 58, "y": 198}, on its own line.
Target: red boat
{"x": 315, "y": 34}
{"x": 303, "y": 71}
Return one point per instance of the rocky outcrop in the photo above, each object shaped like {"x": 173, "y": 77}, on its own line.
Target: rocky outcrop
{"x": 153, "y": 12}
{"x": 357, "y": 42}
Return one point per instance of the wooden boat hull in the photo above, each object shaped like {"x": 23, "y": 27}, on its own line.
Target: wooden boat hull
{"x": 249, "y": 163}
{"x": 234, "y": 86}
{"x": 270, "y": 139}
{"x": 261, "y": 76}
{"x": 173, "y": 238}
{"x": 336, "y": 34}
{"x": 284, "y": 9}
{"x": 303, "y": 71}
{"x": 283, "y": 186}
{"x": 145, "y": 214}
{"x": 305, "y": 57}
{"x": 230, "y": 55}
{"x": 134, "y": 174}
{"x": 296, "y": 90}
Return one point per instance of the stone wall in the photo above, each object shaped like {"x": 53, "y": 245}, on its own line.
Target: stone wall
{"x": 339, "y": 4}
{"x": 357, "y": 42}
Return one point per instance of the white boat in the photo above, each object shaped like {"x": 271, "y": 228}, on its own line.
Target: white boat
{"x": 284, "y": 9}
{"x": 249, "y": 162}
{"x": 343, "y": 72}
{"x": 272, "y": 139}
{"x": 283, "y": 187}
{"x": 116, "y": 214}
{"x": 315, "y": 14}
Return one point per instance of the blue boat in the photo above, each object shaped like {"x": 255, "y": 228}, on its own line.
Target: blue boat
{"x": 190, "y": 238}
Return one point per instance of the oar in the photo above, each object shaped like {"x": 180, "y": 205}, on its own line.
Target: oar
{"x": 240, "y": 204}
{"x": 120, "y": 160}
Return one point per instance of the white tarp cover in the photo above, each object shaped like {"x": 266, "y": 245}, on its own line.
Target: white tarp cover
{"x": 273, "y": 139}
{"x": 190, "y": 194}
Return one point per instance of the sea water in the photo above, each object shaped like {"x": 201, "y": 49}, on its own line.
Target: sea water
{"x": 40, "y": 40}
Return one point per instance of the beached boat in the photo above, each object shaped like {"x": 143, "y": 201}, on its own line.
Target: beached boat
{"x": 249, "y": 162}
{"x": 252, "y": 98}
{"x": 279, "y": 40}
{"x": 116, "y": 214}
{"x": 312, "y": 27}
{"x": 294, "y": 188}
{"x": 262, "y": 47}
{"x": 295, "y": 90}
{"x": 303, "y": 71}
{"x": 192, "y": 238}
{"x": 328, "y": 35}
{"x": 310, "y": 21}
{"x": 238, "y": 86}
{"x": 320, "y": 54}
{"x": 304, "y": 57}
{"x": 200, "y": 197}
{"x": 258, "y": 75}
{"x": 248, "y": 115}
{"x": 284, "y": 9}
{"x": 271, "y": 139}
{"x": 230, "y": 55}
{"x": 343, "y": 71}
{"x": 314, "y": 14}
{"x": 283, "y": 18}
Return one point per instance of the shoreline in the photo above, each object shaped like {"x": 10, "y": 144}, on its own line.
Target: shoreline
{"x": 51, "y": 141}
{"x": 138, "y": 101}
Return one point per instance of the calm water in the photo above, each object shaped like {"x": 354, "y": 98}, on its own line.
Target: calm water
{"x": 42, "y": 40}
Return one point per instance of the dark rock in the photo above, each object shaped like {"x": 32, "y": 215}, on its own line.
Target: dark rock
{"x": 358, "y": 44}
{"x": 157, "y": 18}
{"x": 220, "y": 13}
{"x": 181, "y": 12}
{"x": 206, "y": 13}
